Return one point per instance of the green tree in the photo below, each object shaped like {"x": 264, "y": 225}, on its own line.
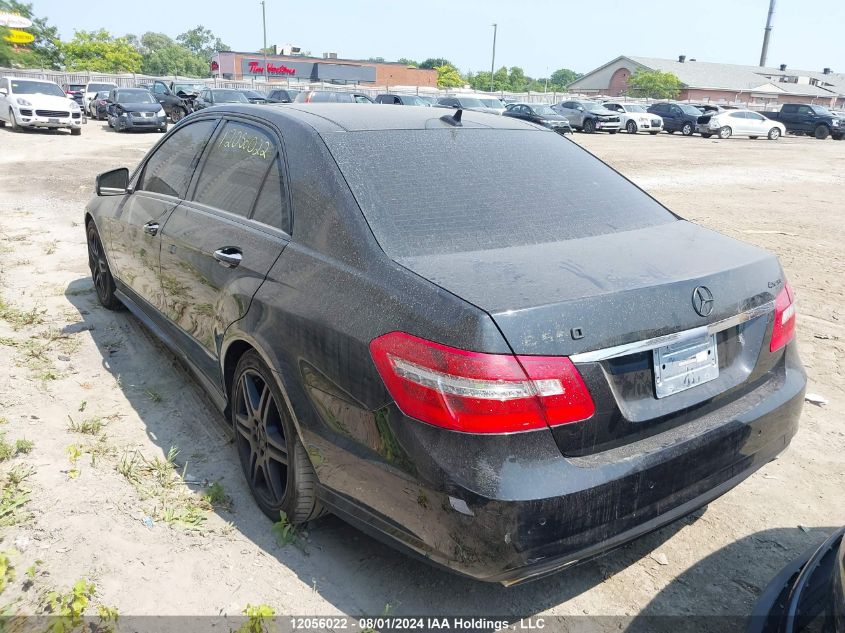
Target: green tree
{"x": 655, "y": 84}
{"x": 407, "y": 62}
{"x": 161, "y": 55}
{"x": 517, "y": 80}
{"x": 434, "y": 62}
{"x": 98, "y": 51}
{"x": 561, "y": 78}
{"x": 43, "y": 52}
{"x": 448, "y": 76}
{"x": 378, "y": 60}
{"x": 201, "y": 41}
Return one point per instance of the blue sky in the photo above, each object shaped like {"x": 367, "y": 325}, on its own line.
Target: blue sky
{"x": 533, "y": 34}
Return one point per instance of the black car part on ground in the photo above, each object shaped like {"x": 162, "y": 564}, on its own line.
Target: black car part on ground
{"x": 460, "y": 343}
{"x": 808, "y": 595}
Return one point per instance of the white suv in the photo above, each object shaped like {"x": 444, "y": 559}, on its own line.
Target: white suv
{"x": 37, "y": 103}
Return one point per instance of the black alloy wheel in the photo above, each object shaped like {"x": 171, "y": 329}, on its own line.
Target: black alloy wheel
{"x": 177, "y": 114}
{"x": 100, "y": 273}
{"x": 589, "y": 126}
{"x": 273, "y": 459}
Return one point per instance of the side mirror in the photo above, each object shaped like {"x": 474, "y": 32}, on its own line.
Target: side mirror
{"x": 113, "y": 183}
{"x": 4, "y": 92}
{"x": 580, "y": 108}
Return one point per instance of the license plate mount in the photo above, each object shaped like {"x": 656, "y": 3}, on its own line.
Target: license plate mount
{"x": 684, "y": 365}
{"x": 53, "y": 121}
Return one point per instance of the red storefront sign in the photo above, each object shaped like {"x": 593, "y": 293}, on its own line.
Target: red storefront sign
{"x": 257, "y": 69}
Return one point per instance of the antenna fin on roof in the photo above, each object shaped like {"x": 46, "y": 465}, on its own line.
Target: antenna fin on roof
{"x": 454, "y": 119}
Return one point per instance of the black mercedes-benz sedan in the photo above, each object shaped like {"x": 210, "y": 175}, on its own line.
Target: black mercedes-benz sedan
{"x": 502, "y": 369}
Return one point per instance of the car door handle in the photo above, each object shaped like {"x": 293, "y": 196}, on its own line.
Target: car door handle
{"x": 229, "y": 256}
{"x": 151, "y": 228}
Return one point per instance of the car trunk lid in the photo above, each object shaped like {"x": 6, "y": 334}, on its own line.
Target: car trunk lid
{"x": 578, "y": 297}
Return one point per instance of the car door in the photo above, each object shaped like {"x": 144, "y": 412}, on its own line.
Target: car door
{"x": 757, "y": 124}
{"x": 134, "y": 234}
{"x": 805, "y": 119}
{"x": 218, "y": 245}
{"x": 675, "y": 115}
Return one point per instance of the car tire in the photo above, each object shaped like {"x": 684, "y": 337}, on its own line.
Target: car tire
{"x": 100, "y": 272}
{"x": 821, "y": 132}
{"x": 774, "y": 134}
{"x": 654, "y": 133}
{"x": 275, "y": 463}
{"x": 13, "y": 122}
{"x": 589, "y": 126}
{"x": 687, "y": 129}
{"x": 753, "y": 138}
{"x": 177, "y": 114}
{"x": 671, "y": 131}
{"x": 706, "y": 135}
{"x": 725, "y": 132}
{"x": 613, "y": 131}
{"x": 76, "y": 131}
{"x": 631, "y": 127}
{"x": 163, "y": 128}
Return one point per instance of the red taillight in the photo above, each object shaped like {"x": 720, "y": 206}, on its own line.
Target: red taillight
{"x": 479, "y": 393}
{"x": 783, "y": 330}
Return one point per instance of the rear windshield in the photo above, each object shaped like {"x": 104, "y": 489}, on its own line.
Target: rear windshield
{"x": 99, "y": 87}
{"x": 448, "y": 191}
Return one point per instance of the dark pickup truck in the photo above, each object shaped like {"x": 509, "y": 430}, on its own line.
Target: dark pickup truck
{"x": 812, "y": 120}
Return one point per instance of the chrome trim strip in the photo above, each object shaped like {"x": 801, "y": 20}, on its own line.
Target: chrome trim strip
{"x": 676, "y": 337}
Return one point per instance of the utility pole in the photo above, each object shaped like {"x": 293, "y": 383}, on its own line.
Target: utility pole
{"x": 264, "y": 25}
{"x": 493, "y": 63}
{"x": 764, "y": 53}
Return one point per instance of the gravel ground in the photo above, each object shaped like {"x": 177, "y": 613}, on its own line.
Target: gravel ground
{"x": 106, "y": 506}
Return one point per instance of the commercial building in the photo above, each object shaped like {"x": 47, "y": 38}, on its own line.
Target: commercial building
{"x": 722, "y": 83}
{"x": 329, "y": 68}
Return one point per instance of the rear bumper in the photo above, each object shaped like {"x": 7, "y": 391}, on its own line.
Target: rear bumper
{"x": 511, "y": 508}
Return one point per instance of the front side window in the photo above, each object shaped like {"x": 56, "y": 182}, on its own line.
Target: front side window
{"x": 169, "y": 170}
{"x": 236, "y": 166}
{"x": 158, "y": 89}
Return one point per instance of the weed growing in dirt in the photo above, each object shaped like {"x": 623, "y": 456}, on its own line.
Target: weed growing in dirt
{"x": 69, "y": 607}
{"x": 20, "y": 318}
{"x": 13, "y": 496}
{"x": 285, "y": 532}
{"x": 153, "y": 395}
{"x": 74, "y": 452}
{"x": 216, "y": 496}
{"x": 20, "y": 447}
{"x": 88, "y": 426}
{"x": 257, "y": 616}
{"x": 7, "y": 570}
{"x": 82, "y": 406}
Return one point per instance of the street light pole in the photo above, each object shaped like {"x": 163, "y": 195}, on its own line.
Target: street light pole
{"x": 493, "y": 62}
{"x": 264, "y": 25}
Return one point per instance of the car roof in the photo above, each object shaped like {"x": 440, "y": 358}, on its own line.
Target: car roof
{"x": 353, "y": 117}
{"x": 41, "y": 81}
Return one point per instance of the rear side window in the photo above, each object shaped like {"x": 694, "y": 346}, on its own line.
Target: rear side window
{"x": 458, "y": 191}
{"x": 235, "y": 168}
{"x": 271, "y": 207}
{"x": 789, "y": 107}
{"x": 169, "y": 170}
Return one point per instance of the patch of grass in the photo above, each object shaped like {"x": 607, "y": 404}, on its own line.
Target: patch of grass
{"x": 153, "y": 395}
{"x": 51, "y": 248}
{"x": 9, "y": 450}
{"x": 129, "y": 466}
{"x": 9, "y": 341}
{"x": 88, "y": 426}
{"x": 18, "y": 318}
{"x": 82, "y": 406}
{"x": 216, "y": 496}
{"x": 24, "y": 446}
{"x": 13, "y": 496}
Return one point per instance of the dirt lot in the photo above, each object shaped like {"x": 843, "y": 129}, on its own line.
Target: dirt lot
{"x": 104, "y": 402}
